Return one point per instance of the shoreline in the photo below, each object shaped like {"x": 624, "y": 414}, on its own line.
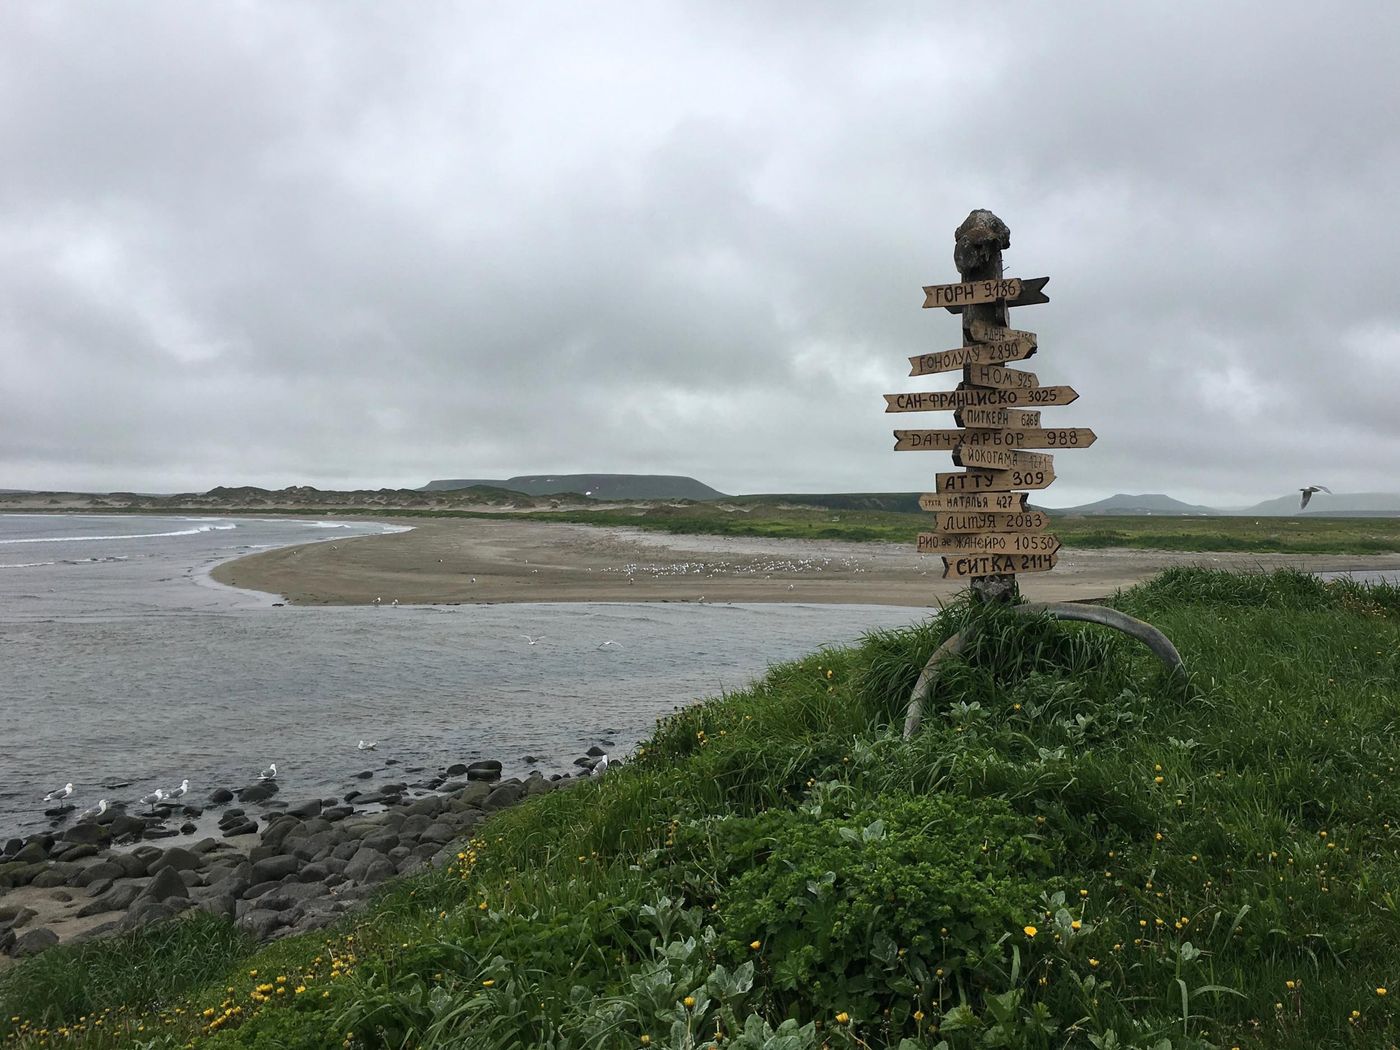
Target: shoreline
{"x": 483, "y": 561}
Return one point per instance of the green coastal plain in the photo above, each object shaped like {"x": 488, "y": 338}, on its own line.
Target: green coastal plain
{"x": 1074, "y": 851}
{"x": 874, "y": 517}
{"x": 1301, "y": 535}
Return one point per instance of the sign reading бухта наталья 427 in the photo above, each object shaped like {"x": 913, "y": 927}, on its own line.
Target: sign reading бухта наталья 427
{"x": 981, "y": 524}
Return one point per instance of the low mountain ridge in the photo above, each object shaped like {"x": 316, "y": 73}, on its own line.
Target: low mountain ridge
{"x": 596, "y": 486}
{"x": 1354, "y": 504}
{"x": 1146, "y": 504}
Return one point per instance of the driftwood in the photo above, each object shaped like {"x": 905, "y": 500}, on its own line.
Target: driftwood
{"x": 1154, "y": 639}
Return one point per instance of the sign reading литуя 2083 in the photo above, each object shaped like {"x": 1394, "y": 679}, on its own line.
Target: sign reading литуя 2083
{"x": 998, "y": 417}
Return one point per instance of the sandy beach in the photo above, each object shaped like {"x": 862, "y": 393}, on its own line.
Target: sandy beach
{"x": 481, "y": 560}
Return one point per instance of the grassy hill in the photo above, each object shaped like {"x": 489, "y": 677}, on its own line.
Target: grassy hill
{"x": 595, "y": 486}
{"x": 1074, "y": 852}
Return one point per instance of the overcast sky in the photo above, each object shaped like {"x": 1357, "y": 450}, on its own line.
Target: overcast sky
{"x": 370, "y": 245}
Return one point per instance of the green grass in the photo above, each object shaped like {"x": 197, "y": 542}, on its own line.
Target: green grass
{"x": 1182, "y": 854}
{"x": 861, "y": 523}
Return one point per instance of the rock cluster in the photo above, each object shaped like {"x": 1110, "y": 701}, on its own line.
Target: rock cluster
{"x": 309, "y": 864}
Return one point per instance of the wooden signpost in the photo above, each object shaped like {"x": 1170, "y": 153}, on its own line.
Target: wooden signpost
{"x": 982, "y": 526}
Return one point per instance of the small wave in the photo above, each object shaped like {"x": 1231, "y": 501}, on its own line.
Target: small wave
{"x": 130, "y": 536}
{"x": 27, "y": 564}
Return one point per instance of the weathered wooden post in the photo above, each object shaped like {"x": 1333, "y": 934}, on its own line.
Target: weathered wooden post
{"x": 981, "y": 524}
{"x": 978, "y": 244}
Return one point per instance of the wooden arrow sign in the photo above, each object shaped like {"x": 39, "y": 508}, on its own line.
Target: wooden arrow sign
{"x": 986, "y": 332}
{"x": 997, "y": 418}
{"x": 1029, "y": 295}
{"x": 969, "y": 293}
{"x": 1005, "y": 378}
{"x": 964, "y": 566}
{"x": 948, "y": 440}
{"x": 1001, "y": 459}
{"x": 976, "y": 501}
{"x": 950, "y": 400}
{"x": 988, "y": 543}
{"x": 974, "y": 354}
{"x": 992, "y": 521}
{"x": 994, "y": 480}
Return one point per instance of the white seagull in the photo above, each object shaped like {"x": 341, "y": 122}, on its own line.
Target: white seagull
{"x": 1307, "y": 493}
{"x": 533, "y": 638}
{"x": 95, "y": 812}
{"x": 366, "y": 745}
{"x": 601, "y": 766}
{"x": 58, "y": 793}
{"x": 270, "y": 773}
{"x": 178, "y": 792}
{"x": 154, "y": 797}
{"x": 608, "y": 643}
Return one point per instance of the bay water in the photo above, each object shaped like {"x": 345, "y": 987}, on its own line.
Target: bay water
{"x": 123, "y": 667}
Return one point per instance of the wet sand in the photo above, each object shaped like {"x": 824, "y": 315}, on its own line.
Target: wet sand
{"x": 479, "y": 560}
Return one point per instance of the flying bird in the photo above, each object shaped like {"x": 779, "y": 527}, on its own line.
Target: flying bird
{"x": 532, "y": 639}
{"x": 58, "y": 793}
{"x": 178, "y": 792}
{"x": 366, "y": 745}
{"x": 608, "y": 643}
{"x": 1307, "y": 493}
{"x": 154, "y": 797}
{"x": 270, "y": 773}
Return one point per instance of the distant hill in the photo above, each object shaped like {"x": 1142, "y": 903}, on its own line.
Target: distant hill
{"x": 1147, "y": 504}
{"x": 904, "y": 502}
{"x": 597, "y": 486}
{"x": 1355, "y": 504}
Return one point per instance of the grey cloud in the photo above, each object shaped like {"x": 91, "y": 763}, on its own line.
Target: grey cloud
{"x": 332, "y": 244}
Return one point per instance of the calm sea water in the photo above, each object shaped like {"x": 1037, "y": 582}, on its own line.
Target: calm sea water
{"x": 121, "y": 663}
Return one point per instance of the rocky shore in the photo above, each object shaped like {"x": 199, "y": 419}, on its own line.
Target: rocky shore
{"x": 274, "y": 868}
